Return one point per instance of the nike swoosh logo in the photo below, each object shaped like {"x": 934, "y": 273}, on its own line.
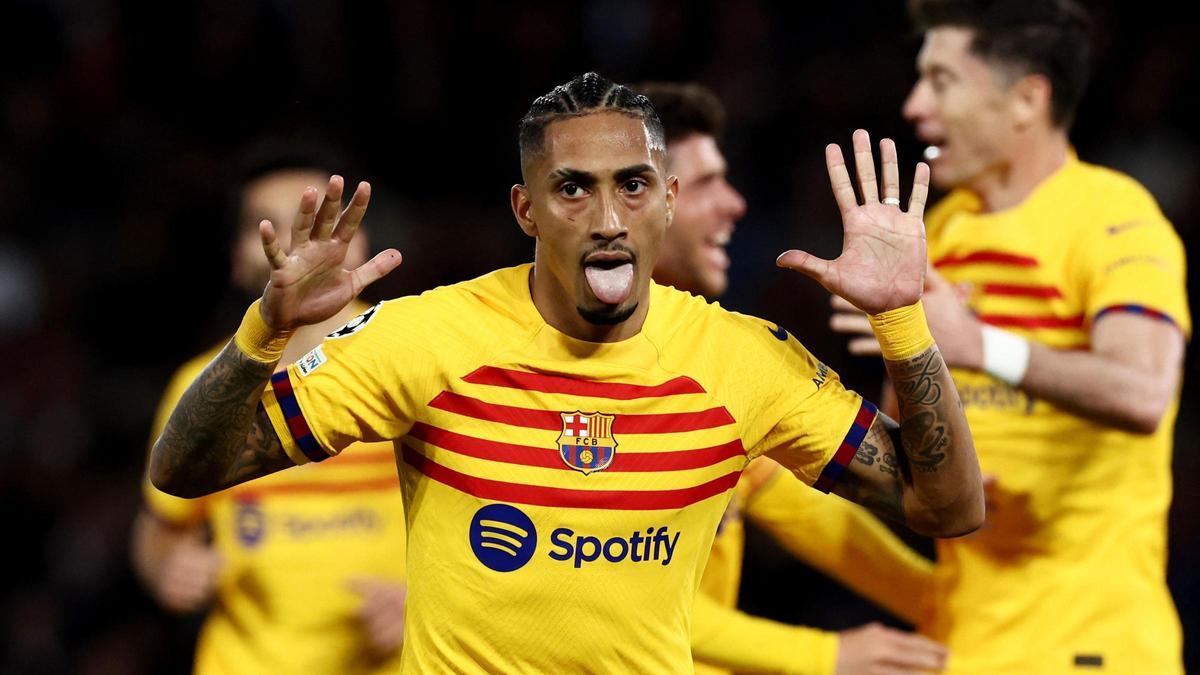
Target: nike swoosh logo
{"x": 1117, "y": 229}
{"x": 779, "y": 333}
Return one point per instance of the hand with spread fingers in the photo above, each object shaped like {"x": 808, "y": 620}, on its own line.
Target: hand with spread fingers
{"x": 882, "y": 265}
{"x": 308, "y": 282}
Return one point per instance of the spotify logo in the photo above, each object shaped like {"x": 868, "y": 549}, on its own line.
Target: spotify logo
{"x": 502, "y": 537}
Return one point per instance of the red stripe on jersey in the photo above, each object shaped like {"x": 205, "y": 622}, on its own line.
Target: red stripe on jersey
{"x": 547, "y": 458}
{"x": 1022, "y": 290}
{"x": 321, "y": 488}
{"x": 557, "y": 384}
{"x": 541, "y": 495}
{"x": 1023, "y": 321}
{"x": 992, "y": 257}
{"x": 550, "y": 420}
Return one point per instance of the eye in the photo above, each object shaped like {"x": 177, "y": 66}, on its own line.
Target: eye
{"x": 634, "y": 186}
{"x": 571, "y": 190}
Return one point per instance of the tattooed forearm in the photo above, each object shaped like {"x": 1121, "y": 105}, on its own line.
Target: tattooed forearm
{"x": 924, "y": 430}
{"x": 218, "y": 434}
{"x": 882, "y": 495}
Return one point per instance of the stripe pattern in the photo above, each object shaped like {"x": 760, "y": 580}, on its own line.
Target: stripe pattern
{"x": 845, "y": 453}
{"x": 1138, "y": 309}
{"x": 537, "y": 473}
{"x": 281, "y": 384}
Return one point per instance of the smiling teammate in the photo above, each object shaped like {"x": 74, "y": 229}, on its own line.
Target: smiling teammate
{"x": 569, "y": 432}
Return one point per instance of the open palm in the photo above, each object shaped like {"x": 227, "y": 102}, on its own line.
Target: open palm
{"x": 308, "y": 281}
{"x": 882, "y": 265}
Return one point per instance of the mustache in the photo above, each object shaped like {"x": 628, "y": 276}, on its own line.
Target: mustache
{"x": 608, "y": 247}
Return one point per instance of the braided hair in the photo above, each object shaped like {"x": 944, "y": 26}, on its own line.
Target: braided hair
{"x": 585, "y": 95}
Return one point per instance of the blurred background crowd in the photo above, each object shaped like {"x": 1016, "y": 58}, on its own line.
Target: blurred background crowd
{"x": 119, "y": 122}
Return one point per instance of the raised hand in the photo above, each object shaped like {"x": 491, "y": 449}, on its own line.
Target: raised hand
{"x": 308, "y": 282}
{"x": 882, "y": 265}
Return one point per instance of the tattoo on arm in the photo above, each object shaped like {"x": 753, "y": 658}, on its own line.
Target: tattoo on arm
{"x": 924, "y": 430}
{"x": 882, "y": 494}
{"x": 219, "y": 435}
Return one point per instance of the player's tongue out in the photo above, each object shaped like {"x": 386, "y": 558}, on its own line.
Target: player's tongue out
{"x": 611, "y": 285}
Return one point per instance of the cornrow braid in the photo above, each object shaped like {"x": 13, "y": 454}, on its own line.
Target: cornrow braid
{"x": 587, "y": 94}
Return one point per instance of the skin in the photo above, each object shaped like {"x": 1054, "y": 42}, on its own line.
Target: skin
{"x": 693, "y": 256}
{"x": 999, "y": 141}
{"x": 596, "y": 190}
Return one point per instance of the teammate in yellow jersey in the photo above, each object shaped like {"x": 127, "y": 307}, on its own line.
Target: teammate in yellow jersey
{"x": 569, "y": 432}
{"x": 304, "y": 572}
{"x": 835, "y": 536}
{"x": 1060, "y": 303}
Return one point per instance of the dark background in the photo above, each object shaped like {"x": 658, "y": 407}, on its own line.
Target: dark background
{"x": 118, "y": 121}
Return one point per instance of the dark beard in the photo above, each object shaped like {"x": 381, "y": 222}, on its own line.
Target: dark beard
{"x": 607, "y": 317}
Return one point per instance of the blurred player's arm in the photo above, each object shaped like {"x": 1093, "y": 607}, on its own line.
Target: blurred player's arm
{"x": 726, "y": 638}
{"x": 1127, "y": 378}
{"x": 174, "y": 563}
{"x": 843, "y": 541}
{"x": 219, "y": 435}
{"x": 924, "y": 472}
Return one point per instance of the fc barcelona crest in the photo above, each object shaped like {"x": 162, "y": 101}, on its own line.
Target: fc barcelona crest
{"x": 587, "y": 442}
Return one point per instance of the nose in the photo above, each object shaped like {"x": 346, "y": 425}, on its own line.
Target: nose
{"x": 734, "y": 203}
{"x": 918, "y": 103}
{"x": 610, "y": 221}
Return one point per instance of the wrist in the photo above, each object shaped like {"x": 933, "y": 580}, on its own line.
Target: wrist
{"x": 902, "y": 332}
{"x": 1005, "y": 355}
{"x": 258, "y": 340}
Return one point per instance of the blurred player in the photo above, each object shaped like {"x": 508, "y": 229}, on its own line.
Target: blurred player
{"x": 1060, "y": 304}
{"x": 569, "y": 432}
{"x": 833, "y": 535}
{"x": 305, "y": 569}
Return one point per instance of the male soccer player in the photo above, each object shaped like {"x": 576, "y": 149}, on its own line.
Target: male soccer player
{"x": 1067, "y": 352}
{"x": 833, "y": 535}
{"x": 305, "y": 570}
{"x": 569, "y": 433}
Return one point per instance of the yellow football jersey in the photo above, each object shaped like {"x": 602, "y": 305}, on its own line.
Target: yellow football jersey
{"x": 562, "y": 495}
{"x": 291, "y": 543}
{"x": 1069, "y": 572}
{"x": 837, "y": 537}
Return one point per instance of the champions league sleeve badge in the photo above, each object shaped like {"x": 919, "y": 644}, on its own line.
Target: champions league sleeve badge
{"x": 354, "y": 325}
{"x": 587, "y": 443}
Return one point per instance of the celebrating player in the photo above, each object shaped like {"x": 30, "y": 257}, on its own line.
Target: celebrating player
{"x": 305, "y": 570}
{"x": 1059, "y": 301}
{"x": 569, "y": 433}
{"x": 833, "y": 535}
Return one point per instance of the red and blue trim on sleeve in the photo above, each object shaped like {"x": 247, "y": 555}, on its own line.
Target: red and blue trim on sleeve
{"x": 845, "y": 453}
{"x": 1137, "y": 309}
{"x": 297, "y": 425}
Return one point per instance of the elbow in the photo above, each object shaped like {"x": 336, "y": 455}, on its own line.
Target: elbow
{"x": 165, "y": 480}
{"x": 954, "y": 520}
{"x": 1143, "y": 414}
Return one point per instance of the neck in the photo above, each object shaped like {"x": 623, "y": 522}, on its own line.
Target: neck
{"x": 558, "y": 310}
{"x": 1033, "y": 161}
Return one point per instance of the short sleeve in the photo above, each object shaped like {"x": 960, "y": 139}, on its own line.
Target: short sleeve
{"x": 807, "y": 420}
{"x": 1136, "y": 266}
{"x": 362, "y": 383}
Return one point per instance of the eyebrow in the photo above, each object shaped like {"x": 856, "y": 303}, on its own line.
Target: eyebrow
{"x": 587, "y": 178}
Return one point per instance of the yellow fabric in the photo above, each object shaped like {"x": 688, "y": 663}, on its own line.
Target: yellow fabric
{"x": 256, "y": 339}
{"x": 724, "y": 638}
{"x": 902, "y": 332}
{"x": 291, "y": 542}
{"x": 535, "y": 546}
{"x": 1072, "y": 560}
{"x": 835, "y": 536}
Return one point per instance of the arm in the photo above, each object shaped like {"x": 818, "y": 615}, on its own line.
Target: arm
{"x": 844, "y": 541}
{"x": 727, "y": 638}
{"x": 174, "y": 563}
{"x": 1126, "y": 379}
{"x": 218, "y": 435}
{"x": 927, "y": 475}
